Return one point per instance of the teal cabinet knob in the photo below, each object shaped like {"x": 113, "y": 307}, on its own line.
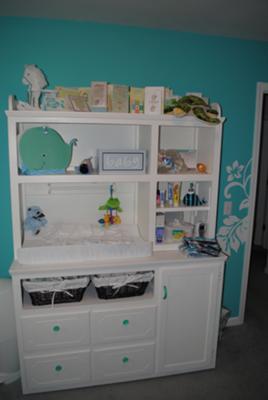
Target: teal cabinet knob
{"x": 165, "y": 293}
{"x": 125, "y": 360}
{"x": 58, "y": 368}
{"x": 56, "y": 328}
{"x": 125, "y": 322}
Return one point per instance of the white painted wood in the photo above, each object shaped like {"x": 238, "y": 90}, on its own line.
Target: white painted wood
{"x": 49, "y": 332}
{"x": 57, "y": 371}
{"x": 189, "y": 315}
{"x": 124, "y": 363}
{"x": 115, "y": 326}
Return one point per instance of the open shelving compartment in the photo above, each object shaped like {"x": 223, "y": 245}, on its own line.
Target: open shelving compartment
{"x": 71, "y": 200}
{"x": 187, "y": 183}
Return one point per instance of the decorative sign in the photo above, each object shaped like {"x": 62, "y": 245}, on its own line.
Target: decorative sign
{"x": 121, "y": 161}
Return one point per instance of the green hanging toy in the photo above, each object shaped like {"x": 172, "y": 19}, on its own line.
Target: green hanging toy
{"x": 112, "y": 207}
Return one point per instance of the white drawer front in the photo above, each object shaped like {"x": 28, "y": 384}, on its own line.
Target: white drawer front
{"x": 123, "y": 325}
{"x": 57, "y": 371}
{"x": 48, "y": 332}
{"x": 123, "y": 363}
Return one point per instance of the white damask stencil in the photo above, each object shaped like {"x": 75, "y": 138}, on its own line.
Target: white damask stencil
{"x": 234, "y": 231}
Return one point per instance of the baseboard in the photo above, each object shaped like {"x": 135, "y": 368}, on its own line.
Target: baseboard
{"x": 9, "y": 377}
{"x": 233, "y": 321}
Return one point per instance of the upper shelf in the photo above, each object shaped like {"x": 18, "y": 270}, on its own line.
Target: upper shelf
{"x": 39, "y": 116}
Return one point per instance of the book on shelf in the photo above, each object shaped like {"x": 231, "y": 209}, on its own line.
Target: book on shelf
{"x": 136, "y": 100}
{"x": 118, "y": 98}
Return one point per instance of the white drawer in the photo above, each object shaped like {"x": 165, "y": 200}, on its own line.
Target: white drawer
{"x": 123, "y": 363}
{"x": 48, "y": 332}
{"x": 57, "y": 371}
{"x": 123, "y": 325}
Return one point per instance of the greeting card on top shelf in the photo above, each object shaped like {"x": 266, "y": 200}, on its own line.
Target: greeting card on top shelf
{"x": 136, "y": 100}
{"x": 154, "y": 100}
{"x": 99, "y": 96}
{"x": 118, "y": 98}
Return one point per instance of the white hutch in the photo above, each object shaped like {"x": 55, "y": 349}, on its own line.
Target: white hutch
{"x": 171, "y": 328}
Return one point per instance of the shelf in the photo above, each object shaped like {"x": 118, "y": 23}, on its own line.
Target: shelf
{"x": 70, "y": 177}
{"x": 40, "y": 116}
{"x": 90, "y": 299}
{"x": 185, "y": 177}
{"x": 182, "y": 209}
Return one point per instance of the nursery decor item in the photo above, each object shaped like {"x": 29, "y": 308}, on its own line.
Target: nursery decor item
{"x": 99, "y": 96}
{"x": 112, "y": 207}
{"x": 122, "y": 161}
{"x": 192, "y": 104}
{"x": 56, "y": 290}
{"x": 154, "y": 99}
{"x": 201, "y": 167}
{"x": 34, "y": 220}
{"x": 113, "y": 286}
{"x": 86, "y": 166}
{"x": 43, "y": 151}
{"x": 171, "y": 161}
{"x": 191, "y": 198}
{"x": 35, "y": 79}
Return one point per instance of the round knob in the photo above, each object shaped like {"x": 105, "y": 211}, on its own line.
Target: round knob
{"x": 125, "y": 322}
{"x": 125, "y": 359}
{"x": 56, "y": 328}
{"x": 58, "y": 368}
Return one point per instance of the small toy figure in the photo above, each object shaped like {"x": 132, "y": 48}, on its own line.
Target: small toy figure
{"x": 34, "y": 220}
{"x": 112, "y": 207}
{"x": 86, "y": 166}
{"x": 191, "y": 198}
{"x": 171, "y": 161}
{"x": 36, "y": 81}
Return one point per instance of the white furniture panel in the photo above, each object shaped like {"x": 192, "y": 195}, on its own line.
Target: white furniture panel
{"x": 113, "y": 326}
{"x": 57, "y": 331}
{"x": 111, "y": 365}
{"x": 60, "y": 371}
{"x": 189, "y": 317}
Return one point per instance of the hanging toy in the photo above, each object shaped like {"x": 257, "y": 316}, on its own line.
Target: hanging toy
{"x": 192, "y": 199}
{"x": 112, "y": 207}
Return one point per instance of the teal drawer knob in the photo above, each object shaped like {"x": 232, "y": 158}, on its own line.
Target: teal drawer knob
{"x": 125, "y": 360}
{"x": 58, "y": 368}
{"x": 125, "y": 322}
{"x": 165, "y": 293}
{"x": 56, "y": 328}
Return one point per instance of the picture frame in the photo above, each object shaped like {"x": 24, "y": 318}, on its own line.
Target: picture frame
{"x": 122, "y": 161}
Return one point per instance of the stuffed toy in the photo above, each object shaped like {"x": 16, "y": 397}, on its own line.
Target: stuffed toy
{"x": 34, "y": 220}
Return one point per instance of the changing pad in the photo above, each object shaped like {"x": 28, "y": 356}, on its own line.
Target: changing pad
{"x": 83, "y": 242}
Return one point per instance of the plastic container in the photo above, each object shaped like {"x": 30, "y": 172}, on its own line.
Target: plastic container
{"x": 9, "y": 362}
{"x": 178, "y": 230}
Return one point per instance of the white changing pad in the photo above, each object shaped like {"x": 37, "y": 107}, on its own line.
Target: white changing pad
{"x": 83, "y": 242}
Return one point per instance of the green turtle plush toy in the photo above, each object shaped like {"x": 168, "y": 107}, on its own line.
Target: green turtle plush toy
{"x": 43, "y": 151}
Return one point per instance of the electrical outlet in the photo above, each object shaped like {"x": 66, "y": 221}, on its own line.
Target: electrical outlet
{"x": 227, "y": 208}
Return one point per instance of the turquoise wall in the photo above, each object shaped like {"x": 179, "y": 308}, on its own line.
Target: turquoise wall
{"x": 75, "y": 53}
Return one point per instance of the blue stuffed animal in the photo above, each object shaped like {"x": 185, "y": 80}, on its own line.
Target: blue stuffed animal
{"x": 34, "y": 220}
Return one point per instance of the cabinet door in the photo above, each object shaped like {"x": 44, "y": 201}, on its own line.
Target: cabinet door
{"x": 189, "y": 317}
